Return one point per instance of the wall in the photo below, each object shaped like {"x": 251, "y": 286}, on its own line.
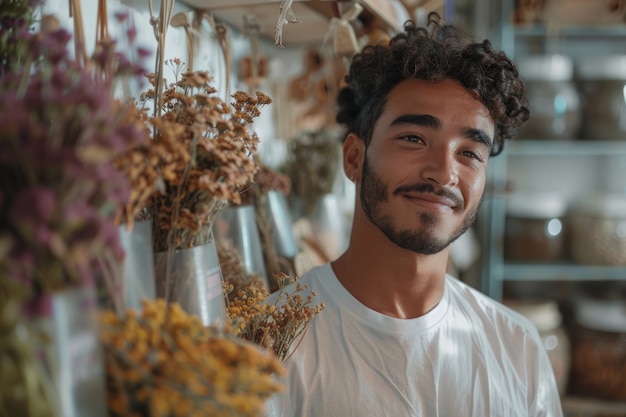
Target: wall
{"x": 283, "y": 63}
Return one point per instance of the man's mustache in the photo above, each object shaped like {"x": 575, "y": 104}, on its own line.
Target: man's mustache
{"x": 429, "y": 188}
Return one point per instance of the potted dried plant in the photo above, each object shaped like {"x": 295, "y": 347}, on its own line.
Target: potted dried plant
{"x": 210, "y": 146}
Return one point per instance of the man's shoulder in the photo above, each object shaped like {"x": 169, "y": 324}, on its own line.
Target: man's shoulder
{"x": 490, "y": 311}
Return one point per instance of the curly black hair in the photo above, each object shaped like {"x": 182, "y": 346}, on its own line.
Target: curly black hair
{"x": 435, "y": 52}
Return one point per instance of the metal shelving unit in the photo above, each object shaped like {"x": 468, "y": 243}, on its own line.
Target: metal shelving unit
{"x": 496, "y": 270}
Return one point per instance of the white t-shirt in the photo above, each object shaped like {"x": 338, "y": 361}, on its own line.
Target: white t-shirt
{"x": 469, "y": 356}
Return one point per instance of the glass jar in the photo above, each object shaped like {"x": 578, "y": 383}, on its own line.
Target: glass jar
{"x": 599, "y": 350}
{"x": 603, "y": 86}
{"x": 546, "y": 317}
{"x": 534, "y": 229}
{"x": 554, "y": 101}
{"x": 598, "y": 229}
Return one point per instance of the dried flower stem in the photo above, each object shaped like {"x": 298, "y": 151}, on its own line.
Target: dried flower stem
{"x": 80, "y": 47}
{"x": 160, "y": 26}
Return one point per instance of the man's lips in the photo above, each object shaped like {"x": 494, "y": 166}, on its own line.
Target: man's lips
{"x": 432, "y": 200}
{"x": 426, "y": 195}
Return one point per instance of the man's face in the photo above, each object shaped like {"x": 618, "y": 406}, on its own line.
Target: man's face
{"x": 423, "y": 174}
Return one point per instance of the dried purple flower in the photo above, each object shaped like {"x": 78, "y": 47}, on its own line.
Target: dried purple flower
{"x": 62, "y": 130}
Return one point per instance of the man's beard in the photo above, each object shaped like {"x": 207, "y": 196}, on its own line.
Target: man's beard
{"x": 425, "y": 240}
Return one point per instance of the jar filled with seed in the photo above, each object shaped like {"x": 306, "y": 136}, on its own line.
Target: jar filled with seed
{"x": 553, "y": 98}
{"x": 603, "y": 83}
{"x": 534, "y": 228}
{"x": 599, "y": 349}
{"x": 597, "y": 223}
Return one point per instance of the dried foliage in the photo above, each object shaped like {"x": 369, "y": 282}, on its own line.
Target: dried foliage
{"x": 266, "y": 179}
{"x": 233, "y": 269}
{"x": 17, "y": 18}
{"x": 161, "y": 362}
{"x": 26, "y": 389}
{"x": 313, "y": 165}
{"x": 275, "y": 326}
{"x": 141, "y": 165}
{"x": 211, "y": 148}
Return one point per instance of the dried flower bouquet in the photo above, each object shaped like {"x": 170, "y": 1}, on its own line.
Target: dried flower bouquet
{"x": 211, "y": 148}
{"x": 276, "y": 326}
{"x": 161, "y": 362}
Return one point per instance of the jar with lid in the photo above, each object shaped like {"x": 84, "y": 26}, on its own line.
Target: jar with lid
{"x": 597, "y": 224}
{"x": 546, "y": 317}
{"x": 553, "y": 98}
{"x": 534, "y": 227}
{"x": 603, "y": 85}
{"x": 599, "y": 349}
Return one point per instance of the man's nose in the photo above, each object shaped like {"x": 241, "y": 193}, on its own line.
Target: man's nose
{"x": 441, "y": 168}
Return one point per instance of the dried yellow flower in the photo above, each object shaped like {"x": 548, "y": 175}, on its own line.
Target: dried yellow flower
{"x": 274, "y": 326}
{"x": 165, "y": 363}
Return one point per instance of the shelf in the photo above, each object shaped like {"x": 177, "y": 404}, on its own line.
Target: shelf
{"x": 561, "y": 272}
{"x": 586, "y": 32}
{"x": 314, "y": 16}
{"x": 576, "y": 406}
{"x": 528, "y": 147}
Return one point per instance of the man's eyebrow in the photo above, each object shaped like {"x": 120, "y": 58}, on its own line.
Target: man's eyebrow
{"x": 479, "y": 136}
{"x": 418, "y": 119}
{"x": 428, "y": 120}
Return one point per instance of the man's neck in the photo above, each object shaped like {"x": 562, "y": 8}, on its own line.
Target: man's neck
{"x": 393, "y": 281}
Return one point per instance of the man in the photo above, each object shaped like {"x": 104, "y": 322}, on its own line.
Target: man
{"x": 399, "y": 337}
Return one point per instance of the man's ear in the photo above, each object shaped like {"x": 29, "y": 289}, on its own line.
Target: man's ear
{"x": 353, "y": 156}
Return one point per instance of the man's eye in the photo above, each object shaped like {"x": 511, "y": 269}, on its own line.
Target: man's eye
{"x": 412, "y": 138}
{"x": 473, "y": 155}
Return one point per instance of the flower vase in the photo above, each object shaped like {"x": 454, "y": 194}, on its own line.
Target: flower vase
{"x": 327, "y": 221}
{"x": 282, "y": 222}
{"x": 276, "y": 225}
{"x": 192, "y": 278}
{"x": 71, "y": 352}
{"x": 138, "y": 266}
{"x": 236, "y": 230}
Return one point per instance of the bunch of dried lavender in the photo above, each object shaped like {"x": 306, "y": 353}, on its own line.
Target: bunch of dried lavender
{"x": 62, "y": 128}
